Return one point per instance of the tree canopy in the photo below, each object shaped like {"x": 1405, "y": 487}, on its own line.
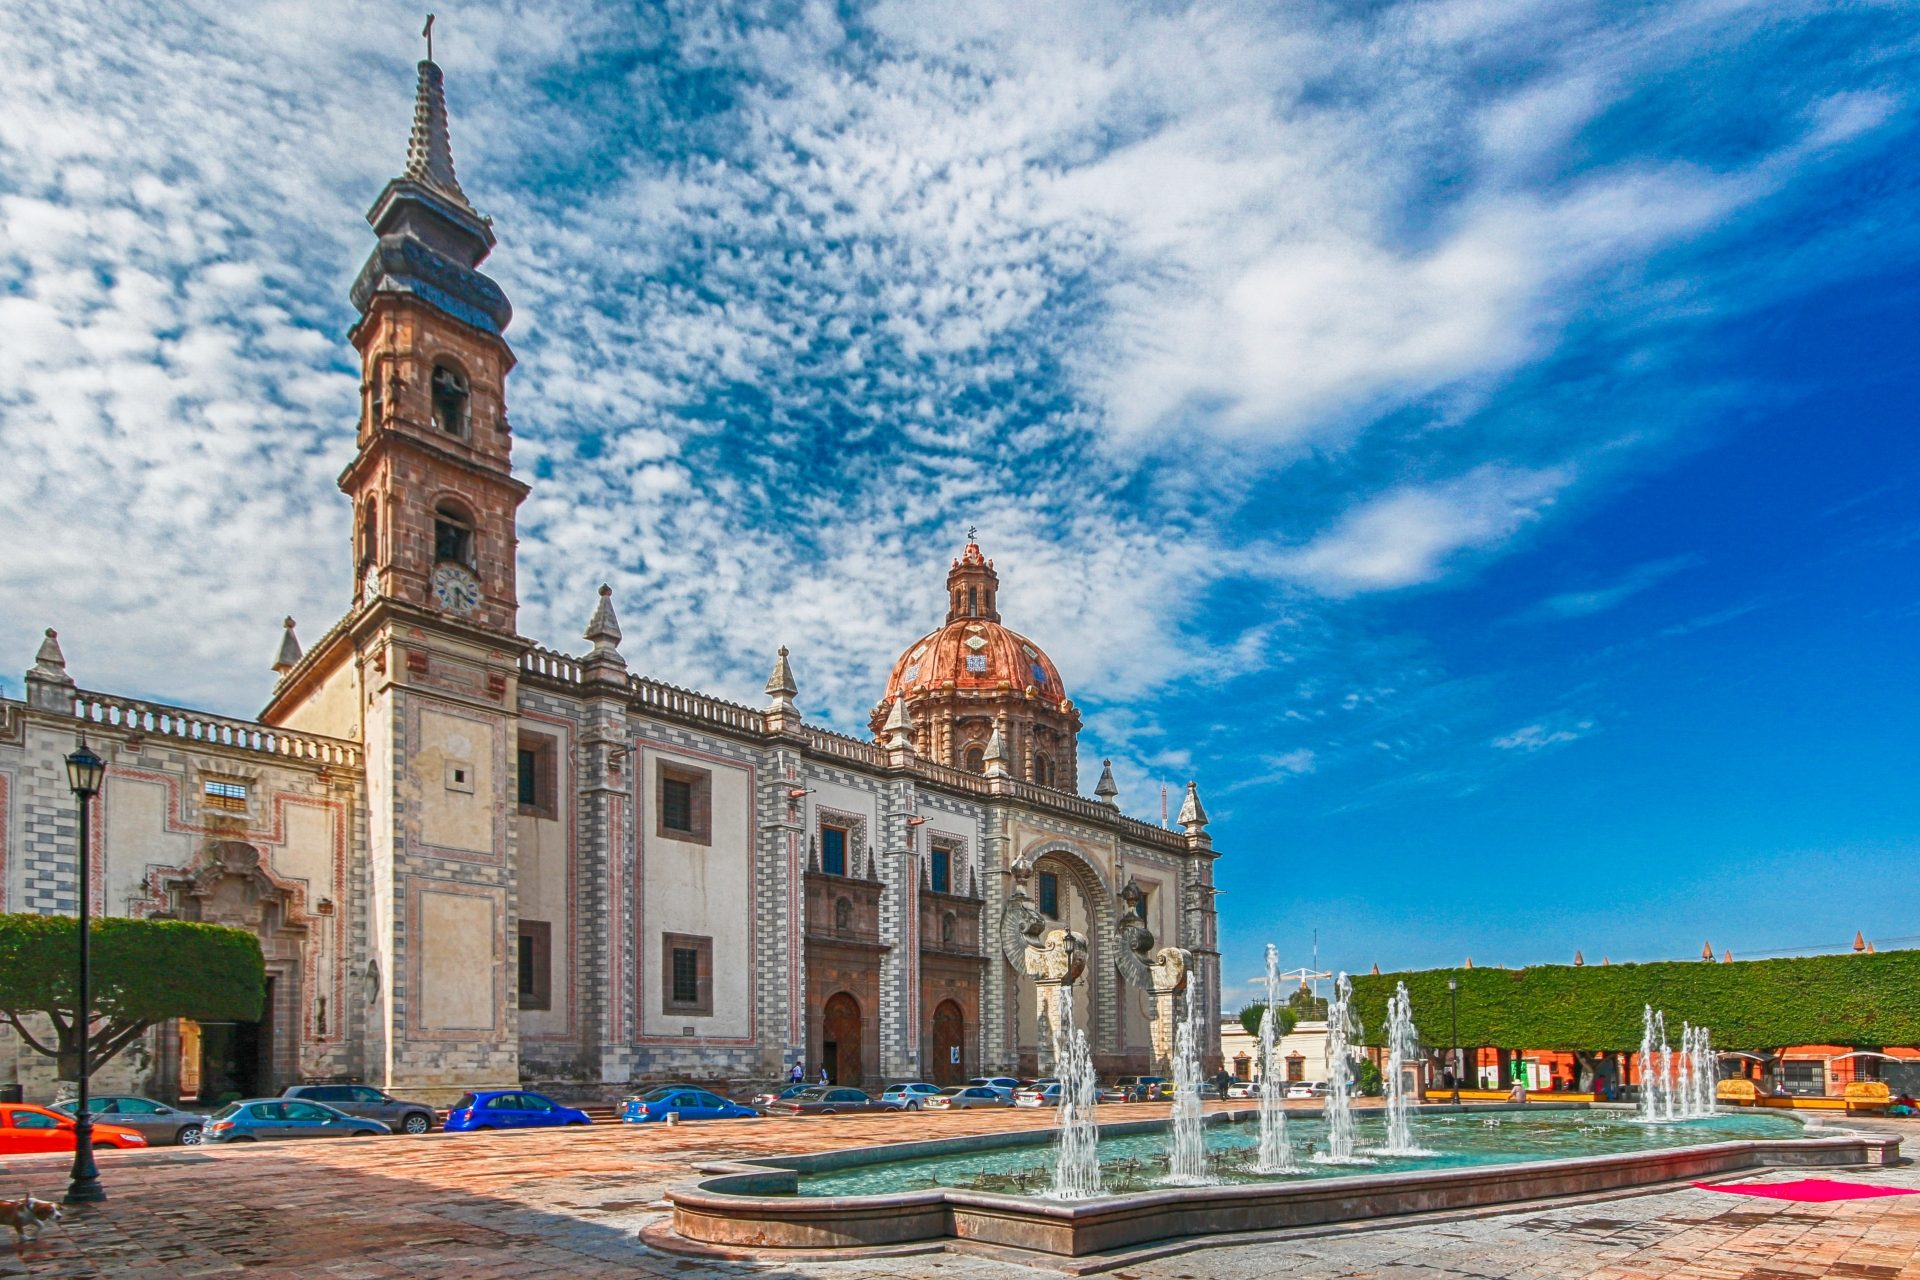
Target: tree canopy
{"x": 1863, "y": 1001}
{"x": 144, "y": 971}
{"x": 1284, "y": 1019}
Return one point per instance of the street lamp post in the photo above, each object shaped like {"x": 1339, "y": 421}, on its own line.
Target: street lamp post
{"x": 1453, "y": 1002}
{"x": 85, "y": 773}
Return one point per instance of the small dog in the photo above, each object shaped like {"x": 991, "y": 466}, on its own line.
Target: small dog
{"x": 26, "y": 1216}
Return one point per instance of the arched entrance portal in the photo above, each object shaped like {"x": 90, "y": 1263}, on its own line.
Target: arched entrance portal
{"x": 949, "y": 1041}
{"x": 840, "y": 1039}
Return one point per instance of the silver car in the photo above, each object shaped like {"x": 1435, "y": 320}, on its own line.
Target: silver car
{"x": 368, "y": 1103}
{"x": 965, "y": 1097}
{"x": 158, "y": 1123}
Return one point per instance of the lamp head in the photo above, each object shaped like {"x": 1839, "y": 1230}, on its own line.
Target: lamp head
{"x": 86, "y": 772}
{"x": 1453, "y": 986}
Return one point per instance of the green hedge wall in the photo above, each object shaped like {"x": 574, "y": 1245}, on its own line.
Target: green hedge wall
{"x": 143, "y": 970}
{"x": 1863, "y": 1001}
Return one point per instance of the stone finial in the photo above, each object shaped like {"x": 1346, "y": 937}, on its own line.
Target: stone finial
{"x": 1579, "y": 960}
{"x": 1193, "y": 816}
{"x": 1106, "y": 788}
{"x": 1469, "y": 963}
{"x": 289, "y": 655}
{"x": 48, "y": 685}
{"x": 995, "y": 760}
{"x": 430, "y": 147}
{"x": 1726, "y": 956}
{"x": 899, "y": 727}
{"x": 1859, "y": 937}
{"x": 51, "y": 664}
{"x": 1706, "y": 951}
{"x": 603, "y": 629}
{"x": 780, "y": 685}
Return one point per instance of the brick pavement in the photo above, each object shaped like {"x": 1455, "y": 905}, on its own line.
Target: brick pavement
{"x": 544, "y": 1205}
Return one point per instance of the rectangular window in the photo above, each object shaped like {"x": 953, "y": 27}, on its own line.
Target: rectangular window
{"x": 833, "y": 850}
{"x": 1050, "y": 894}
{"x": 941, "y": 872}
{"x": 684, "y": 802}
{"x": 537, "y": 779}
{"x": 686, "y": 972}
{"x": 1804, "y": 1077}
{"x": 231, "y": 796}
{"x": 534, "y": 962}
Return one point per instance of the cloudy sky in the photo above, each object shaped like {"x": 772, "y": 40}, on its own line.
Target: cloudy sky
{"x": 1475, "y": 440}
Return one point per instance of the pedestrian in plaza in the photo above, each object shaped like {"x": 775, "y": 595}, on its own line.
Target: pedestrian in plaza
{"x": 823, "y": 1073}
{"x": 796, "y": 1075}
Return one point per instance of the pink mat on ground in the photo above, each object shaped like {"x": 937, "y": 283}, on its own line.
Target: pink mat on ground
{"x": 1811, "y": 1190}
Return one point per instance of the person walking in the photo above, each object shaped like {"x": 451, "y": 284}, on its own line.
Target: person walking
{"x": 823, "y": 1073}
{"x": 796, "y": 1075}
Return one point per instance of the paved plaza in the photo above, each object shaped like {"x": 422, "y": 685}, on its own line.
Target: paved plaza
{"x": 534, "y": 1206}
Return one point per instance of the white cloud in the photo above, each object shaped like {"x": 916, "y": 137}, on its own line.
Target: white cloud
{"x": 1410, "y": 534}
{"x": 1538, "y": 737}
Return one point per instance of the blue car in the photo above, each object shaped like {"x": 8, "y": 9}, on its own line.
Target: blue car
{"x": 509, "y": 1109}
{"x": 686, "y": 1102}
{"x": 270, "y": 1119}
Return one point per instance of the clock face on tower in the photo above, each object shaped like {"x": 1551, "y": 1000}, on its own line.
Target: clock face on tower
{"x": 370, "y": 584}
{"x": 455, "y": 588}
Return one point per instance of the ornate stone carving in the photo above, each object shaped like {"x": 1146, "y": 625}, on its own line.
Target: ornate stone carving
{"x": 1170, "y": 965}
{"x": 1059, "y": 959}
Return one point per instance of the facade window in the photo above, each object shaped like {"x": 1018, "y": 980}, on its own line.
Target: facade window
{"x": 1050, "y": 894}
{"x": 940, "y": 870}
{"x": 452, "y": 535}
{"x": 686, "y": 972}
{"x": 1804, "y": 1077}
{"x": 976, "y": 759}
{"x": 538, "y": 779}
{"x": 684, "y": 804}
{"x": 1043, "y": 770}
{"x": 231, "y": 796}
{"x": 534, "y": 957}
{"x": 450, "y": 400}
{"x": 973, "y": 602}
{"x": 833, "y": 850}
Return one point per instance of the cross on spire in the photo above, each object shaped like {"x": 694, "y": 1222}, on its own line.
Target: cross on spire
{"x": 427, "y": 31}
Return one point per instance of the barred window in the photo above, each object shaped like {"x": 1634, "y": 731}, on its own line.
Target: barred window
{"x": 231, "y": 796}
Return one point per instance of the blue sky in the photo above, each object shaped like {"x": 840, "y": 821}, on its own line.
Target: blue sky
{"x": 1475, "y": 440}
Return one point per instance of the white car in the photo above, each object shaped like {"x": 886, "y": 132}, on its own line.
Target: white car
{"x": 1041, "y": 1093}
{"x": 910, "y": 1096}
{"x": 1307, "y": 1089}
{"x": 965, "y": 1097}
{"x": 1244, "y": 1089}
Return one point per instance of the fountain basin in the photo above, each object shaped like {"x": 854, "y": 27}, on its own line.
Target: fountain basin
{"x": 756, "y": 1205}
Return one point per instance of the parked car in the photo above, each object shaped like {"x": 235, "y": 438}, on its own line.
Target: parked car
{"x": 269, "y": 1119}
{"x": 762, "y": 1099}
{"x": 1307, "y": 1089}
{"x": 827, "y": 1100}
{"x": 1244, "y": 1089}
{"x": 368, "y": 1103}
{"x": 159, "y": 1123}
{"x": 1134, "y": 1089}
{"x": 684, "y": 1101}
{"x": 911, "y": 1096}
{"x": 965, "y": 1097}
{"x": 509, "y": 1109}
{"x": 26, "y": 1128}
{"x": 1006, "y": 1085}
{"x": 1041, "y": 1093}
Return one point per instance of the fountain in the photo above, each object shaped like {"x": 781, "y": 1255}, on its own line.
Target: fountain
{"x": 1187, "y": 1139}
{"x": 1342, "y": 1027}
{"x": 1403, "y": 1050}
{"x": 1076, "y": 1164}
{"x": 1275, "y": 1155}
{"x": 1675, "y": 1086}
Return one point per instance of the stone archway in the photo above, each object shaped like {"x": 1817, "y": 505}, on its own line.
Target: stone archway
{"x": 840, "y": 1040}
{"x": 231, "y": 885}
{"x": 949, "y": 1043}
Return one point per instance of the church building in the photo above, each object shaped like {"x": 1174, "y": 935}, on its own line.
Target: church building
{"x": 474, "y": 861}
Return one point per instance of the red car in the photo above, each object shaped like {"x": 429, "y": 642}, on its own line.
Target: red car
{"x": 25, "y": 1128}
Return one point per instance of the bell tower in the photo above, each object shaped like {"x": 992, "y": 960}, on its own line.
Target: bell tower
{"x": 424, "y": 668}
{"x": 433, "y": 492}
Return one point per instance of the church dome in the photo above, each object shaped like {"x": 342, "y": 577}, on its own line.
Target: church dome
{"x": 974, "y": 673}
